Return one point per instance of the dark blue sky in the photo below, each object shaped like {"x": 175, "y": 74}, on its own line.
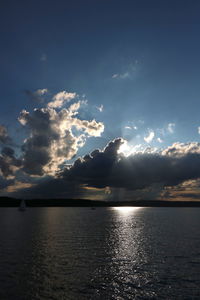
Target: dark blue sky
{"x": 138, "y": 59}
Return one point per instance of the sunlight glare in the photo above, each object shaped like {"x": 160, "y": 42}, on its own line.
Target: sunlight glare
{"x": 128, "y": 149}
{"x": 126, "y": 209}
{"x": 125, "y": 149}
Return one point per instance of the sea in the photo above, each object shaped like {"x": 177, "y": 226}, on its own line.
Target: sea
{"x": 100, "y": 253}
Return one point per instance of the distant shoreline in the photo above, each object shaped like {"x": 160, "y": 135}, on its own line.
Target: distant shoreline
{"x": 11, "y": 202}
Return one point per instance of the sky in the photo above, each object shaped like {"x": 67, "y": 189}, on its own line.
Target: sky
{"x": 100, "y": 99}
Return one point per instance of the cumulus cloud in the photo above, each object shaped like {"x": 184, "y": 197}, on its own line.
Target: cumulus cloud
{"x": 181, "y": 149}
{"x": 149, "y": 137}
{"x": 109, "y": 168}
{"x": 60, "y": 98}
{"x": 52, "y": 140}
{"x": 143, "y": 174}
{"x": 54, "y": 137}
{"x": 4, "y": 137}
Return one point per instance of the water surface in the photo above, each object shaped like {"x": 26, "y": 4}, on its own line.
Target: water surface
{"x": 106, "y": 253}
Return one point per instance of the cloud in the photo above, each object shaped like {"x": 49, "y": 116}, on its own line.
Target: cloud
{"x": 60, "y": 98}
{"x": 48, "y": 188}
{"x": 4, "y": 183}
{"x": 9, "y": 164}
{"x": 54, "y": 137}
{"x": 131, "y": 127}
{"x": 159, "y": 140}
{"x": 181, "y": 149}
{"x": 198, "y": 130}
{"x": 52, "y": 140}
{"x": 109, "y": 168}
{"x": 37, "y": 95}
{"x": 41, "y": 92}
{"x": 141, "y": 175}
{"x": 121, "y": 76}
{"x": 100, "y": 108}
{"x": 171, "y": 127}
{"x": 130, "y": 72}
{"x": 16, "y": 185}
{"x": 124, "y": 75}
{"x": 149, "y": 137}
{"x": 4, "y": 137}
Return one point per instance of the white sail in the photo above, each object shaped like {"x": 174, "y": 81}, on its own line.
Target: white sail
{"x": 22, "y": 206}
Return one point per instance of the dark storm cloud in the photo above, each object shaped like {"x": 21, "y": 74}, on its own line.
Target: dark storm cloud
{"x": 37, "y": 147}
{"x": 143, "y": 171}
{"x": 51, "y": 188}
{"x": 7, "y": 151}
{"x": 4, "y": 137}
{"x": 8, "y": 162}
{"x": 4, "y": 183}
{"x": 190, "y": 195}
{"x": 109, "y": 168}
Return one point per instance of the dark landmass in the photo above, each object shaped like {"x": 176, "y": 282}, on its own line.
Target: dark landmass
{"x": 12, "y": 202}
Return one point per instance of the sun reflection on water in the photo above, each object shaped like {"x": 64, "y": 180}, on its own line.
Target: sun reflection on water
{"x": 126, "y": 209}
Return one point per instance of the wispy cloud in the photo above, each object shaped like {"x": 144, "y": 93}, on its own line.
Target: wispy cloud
{"x": 171, "y": 127}
{"x": 131, "y": 127}
{"x": 100, "y": 108}
{"x": 165, "y": 131}
{"x": 159, "y": 140}
{"x": 36, "y": 96}
{"x": 149, "y": 137}
{"x": 121, "y": 76}
{"x": 41, "y": 92}
{"x": 128, "y": 73}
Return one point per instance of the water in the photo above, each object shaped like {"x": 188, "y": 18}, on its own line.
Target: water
{"x": 106, "y": 253}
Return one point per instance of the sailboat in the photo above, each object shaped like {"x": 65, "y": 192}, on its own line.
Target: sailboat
{"x": 22, "y": 206}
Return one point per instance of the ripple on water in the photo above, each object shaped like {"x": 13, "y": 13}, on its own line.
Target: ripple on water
{"x": 78, "y": 253}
